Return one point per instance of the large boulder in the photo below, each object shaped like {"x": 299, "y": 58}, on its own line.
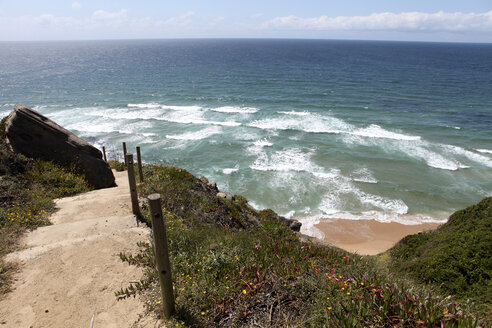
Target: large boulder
{"x": 36, "y": 136}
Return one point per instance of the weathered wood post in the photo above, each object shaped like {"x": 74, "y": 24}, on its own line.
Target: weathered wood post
{"x": 162, "y": 254}
{"x": 104, "y": 153}
{"x": 133, "y": 184}
{"x": 124, "y": 154}
{"x": 139, "y": 161}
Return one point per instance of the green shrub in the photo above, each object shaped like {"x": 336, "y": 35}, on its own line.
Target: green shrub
{"x": 456, "y": 258}
{"x": 117, "y": 165}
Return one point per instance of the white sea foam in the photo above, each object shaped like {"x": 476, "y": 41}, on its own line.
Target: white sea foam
{"x": 147, "y": 105}
{"x": 375, "y": 131}
{"x": 233, "y": 109}
{"x": 316, "y": 123}
{"x": 196, "y": 135}
{"x": 290, "y": 159}
{"x": 421, "y": 150}
{"x": 470, "y": 155}
{"x": 94, "y": 127}
{"x": 154, "y": 105}
{"x": 126, "y": 113}
{"x": 342, "y": 190}
{"x": 309, "y": 123}
{"x": 484, "y": 151}
{"x": 363, "y": 175}
{"x": 309, "y": 223}
{"x": 289, "y": 214}
{"x": 262, "y": 143}
{"x": 294, "y": 113}
{"x": 187, "y": 116}
{"x": 230, "y": 170}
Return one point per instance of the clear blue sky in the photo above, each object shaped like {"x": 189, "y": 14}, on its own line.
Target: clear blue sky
{"x": 417, "y": 20}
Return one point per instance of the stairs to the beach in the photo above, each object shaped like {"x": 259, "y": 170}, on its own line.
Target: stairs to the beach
{"x": 69, "y": 271}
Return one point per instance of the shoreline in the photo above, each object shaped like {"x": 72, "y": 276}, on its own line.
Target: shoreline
{"x": 367, "y": 237}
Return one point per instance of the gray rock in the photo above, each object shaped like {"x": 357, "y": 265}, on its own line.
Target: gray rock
{"x": 204, "y": 180}
{"x": 38, "y": 137}
{"x": 223, "y": 194}
{"x": 213, "y": 185}
{"x": 295, "y": 225}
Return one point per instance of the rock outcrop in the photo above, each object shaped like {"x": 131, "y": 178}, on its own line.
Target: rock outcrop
{"x": 36, "y": 136}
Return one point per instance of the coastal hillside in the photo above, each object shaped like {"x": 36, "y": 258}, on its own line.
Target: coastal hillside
{"x": 457, "y": 257}
{"x": 263, "y": 273}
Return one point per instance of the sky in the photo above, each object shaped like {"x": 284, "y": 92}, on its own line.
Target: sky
{"x": 404, "y": 20}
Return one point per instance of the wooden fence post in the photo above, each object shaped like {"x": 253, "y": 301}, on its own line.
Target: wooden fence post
{"x": 104, "y": 153}
{"x": 139, "y": 162}
{"x": 162, "y": 254}
{"x": 124, "y": 154}
{"x": 133, "y": 184}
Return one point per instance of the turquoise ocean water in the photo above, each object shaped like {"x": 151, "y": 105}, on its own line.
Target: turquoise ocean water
{"x": 313, "y": 129}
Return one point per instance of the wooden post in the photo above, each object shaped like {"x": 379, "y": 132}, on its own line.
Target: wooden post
{"x": 162, "y": 254}
{"x": 139, "y": 162}
{"x": 124, "y": 154}
{"x": 104, "y": 153}
{"x": 133, "y": 184}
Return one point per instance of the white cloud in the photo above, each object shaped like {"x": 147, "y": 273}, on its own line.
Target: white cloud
{"x": 102, "y": 15}
{"x": 181, "y": 20}
{"x": 76, "y": 5}
{"x": 256, "y": 16}
{"x": 406, "y": 21}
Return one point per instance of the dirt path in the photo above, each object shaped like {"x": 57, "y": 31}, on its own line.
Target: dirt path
{"x": 70, "y": 270}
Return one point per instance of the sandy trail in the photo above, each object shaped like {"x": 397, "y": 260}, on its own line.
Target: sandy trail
{"x": 70, "y": 270}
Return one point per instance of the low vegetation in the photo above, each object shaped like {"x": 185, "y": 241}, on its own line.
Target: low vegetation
{"x": 457, "y": 257}
{"x": 266, "y": 275}
{"x": 27, "y": 190}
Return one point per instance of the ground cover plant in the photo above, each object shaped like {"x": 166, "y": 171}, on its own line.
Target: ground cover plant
{"x": 265, "y": 275}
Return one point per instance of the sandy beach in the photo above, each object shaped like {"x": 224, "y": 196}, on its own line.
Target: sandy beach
{"x": 368, "y": 237}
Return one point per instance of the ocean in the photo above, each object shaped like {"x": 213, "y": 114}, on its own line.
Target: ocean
{"x": 314, "y": 129}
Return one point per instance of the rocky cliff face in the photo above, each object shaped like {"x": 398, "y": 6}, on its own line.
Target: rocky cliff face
{"x": 36, "y": 136}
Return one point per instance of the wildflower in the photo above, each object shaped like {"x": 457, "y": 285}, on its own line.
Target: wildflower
{"x": 329, "y": 308}
{"x": 204, "y": 291}
{"x": 203, "y": 313}
{"x": 348, "y": 293}
{"x": 244, "y": 291}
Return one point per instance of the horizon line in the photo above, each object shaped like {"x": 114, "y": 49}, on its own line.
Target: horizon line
{"x": 243, "y": 38}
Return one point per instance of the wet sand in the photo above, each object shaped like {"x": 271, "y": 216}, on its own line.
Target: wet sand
{"x": 368, "y": 237}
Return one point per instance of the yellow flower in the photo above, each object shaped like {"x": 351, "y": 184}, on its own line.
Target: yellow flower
{"x": 244, "y": 291}
{"x": 203, "y": 313}
{"x": 329, "y": 308}
{"x": 348, "y": 293}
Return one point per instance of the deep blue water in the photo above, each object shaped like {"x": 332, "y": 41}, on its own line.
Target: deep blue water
{"x": 394, "y": 131}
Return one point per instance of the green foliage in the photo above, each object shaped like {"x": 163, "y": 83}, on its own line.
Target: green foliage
{"x": 3, "y": 132}
{"x": 117, "y": 165}
{"x": 457, "y": 257}
{"x": 58, "y": 181}
{"x": 266, "y": 276}
{"x": 191, "y": 200}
